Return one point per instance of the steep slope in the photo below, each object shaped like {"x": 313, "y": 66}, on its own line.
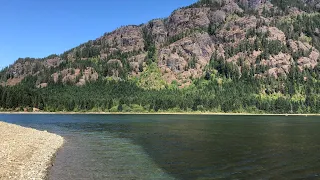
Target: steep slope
{"x": 251, "y": 56}
{"x": 268, "y": 37}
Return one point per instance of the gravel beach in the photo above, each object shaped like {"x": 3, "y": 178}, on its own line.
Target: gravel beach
{"x": 26, "y": 153}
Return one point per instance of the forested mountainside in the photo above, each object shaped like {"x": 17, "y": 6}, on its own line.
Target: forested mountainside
{"x": 257, "y": 56}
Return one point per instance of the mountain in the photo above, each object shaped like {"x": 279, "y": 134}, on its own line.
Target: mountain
{"x": 269, "y": 45}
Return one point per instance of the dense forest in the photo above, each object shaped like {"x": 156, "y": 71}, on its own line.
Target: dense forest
{"x": 220, "y": 92}
{"x": 223, "y": 87}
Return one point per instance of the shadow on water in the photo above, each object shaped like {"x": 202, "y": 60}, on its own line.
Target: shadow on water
{"x": 183, "y": 147}
{"x": 188, "y": 148}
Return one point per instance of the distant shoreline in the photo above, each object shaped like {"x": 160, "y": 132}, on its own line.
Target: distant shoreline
{"x": 158, "y": 113}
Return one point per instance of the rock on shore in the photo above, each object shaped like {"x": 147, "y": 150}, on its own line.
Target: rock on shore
{"x": 26, "y": 153}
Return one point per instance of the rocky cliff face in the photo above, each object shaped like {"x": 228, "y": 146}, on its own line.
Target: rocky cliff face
{"x": 240, "y": 32}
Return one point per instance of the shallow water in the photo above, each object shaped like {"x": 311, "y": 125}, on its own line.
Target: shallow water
{"x": 181, "y": 147}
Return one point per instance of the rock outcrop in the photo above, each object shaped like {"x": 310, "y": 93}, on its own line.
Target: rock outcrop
{"x": 124, "y": 39}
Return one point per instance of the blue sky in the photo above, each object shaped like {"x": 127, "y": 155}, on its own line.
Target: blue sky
{"x": 38, "y": 28}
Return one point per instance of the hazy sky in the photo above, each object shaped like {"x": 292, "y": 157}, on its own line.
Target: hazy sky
{"x": 38, "y": 28}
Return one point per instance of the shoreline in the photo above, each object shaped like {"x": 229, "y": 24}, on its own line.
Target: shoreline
{"x": 51, "y": 164}
{"x": 153, "y": 113}
{"x": 27, "y": 153}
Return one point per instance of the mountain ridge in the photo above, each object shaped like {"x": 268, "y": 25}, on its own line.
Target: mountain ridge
{"x": 246, "y": 56}
{"x": 162, "y": 37}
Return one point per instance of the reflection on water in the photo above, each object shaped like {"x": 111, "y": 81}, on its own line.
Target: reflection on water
{"x": 182, "y": 147}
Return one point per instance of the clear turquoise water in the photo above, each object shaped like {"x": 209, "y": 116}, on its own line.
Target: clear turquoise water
{"x": 181, "y": 147}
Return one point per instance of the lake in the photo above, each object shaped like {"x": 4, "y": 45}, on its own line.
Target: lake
{"x": 182, "y": 147}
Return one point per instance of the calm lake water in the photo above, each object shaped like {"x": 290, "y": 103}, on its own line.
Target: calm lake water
{"x": 181, "y": 147}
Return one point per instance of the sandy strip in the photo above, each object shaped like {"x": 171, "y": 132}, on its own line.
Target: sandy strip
{"x": 26, "y": 153}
